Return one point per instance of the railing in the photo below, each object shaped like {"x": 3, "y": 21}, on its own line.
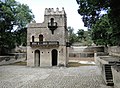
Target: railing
{"x": 52, "y": 25}
{"x": 44, "y": 43}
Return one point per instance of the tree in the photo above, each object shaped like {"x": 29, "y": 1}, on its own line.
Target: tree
{"x": 88, "y": 40}
{"x": 72, "y": 36}
{"x": 91, "y": 12}
{"x": 80, "y": 33}
{"x": 84, "y": 37}
{"x": 102, "y": 31}
{"x": 114, "y": 16}
{"x": 12, "y": 14}
{"x": 21, "y": 36}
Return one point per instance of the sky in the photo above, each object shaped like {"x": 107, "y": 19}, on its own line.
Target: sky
{"x": 73, "y": 18}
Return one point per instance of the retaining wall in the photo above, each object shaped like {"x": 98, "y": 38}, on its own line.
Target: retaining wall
{"x": 84, "y": 51}
{"x": 114, "y": 50}
{"x": 12, "y": 57}
{"x": 114, "y": 54}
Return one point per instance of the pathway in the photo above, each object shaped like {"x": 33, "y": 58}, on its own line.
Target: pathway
{"x": 54, "y": 77}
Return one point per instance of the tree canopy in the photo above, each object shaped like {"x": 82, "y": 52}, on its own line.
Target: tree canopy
{"x": 80, "y": 33}
{"x": 81, "y": 37}
{"x": 72, "y": 36}
{"x": 93, "y": 12}
{"x": 101, "y": 31}
{"x": 12, "y": 14}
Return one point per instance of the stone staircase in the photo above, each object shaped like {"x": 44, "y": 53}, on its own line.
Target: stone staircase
{"x": 108, "y": 75}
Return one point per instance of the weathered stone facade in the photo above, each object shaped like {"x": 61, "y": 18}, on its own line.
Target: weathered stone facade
{"x": 47, "y": 41}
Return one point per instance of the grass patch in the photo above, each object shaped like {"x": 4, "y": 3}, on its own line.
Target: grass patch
{"x": 76, "y": 64}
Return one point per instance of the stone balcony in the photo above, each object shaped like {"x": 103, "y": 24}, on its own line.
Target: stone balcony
{"x": 45, "y": 44}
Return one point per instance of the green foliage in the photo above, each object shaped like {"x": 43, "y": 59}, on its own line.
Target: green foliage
{"x": 101, "y": 31}
{"x": 80, "y": 37}
{"x": 23, "y": 16}
{"x": 91, "y": 16}
{"x": 91, "y": 10}
{"x": 114, "y": 16}
{"x": 88, "y": 40}
{"x": 72, "y": 36}
{"x": 84, "y": 37}
{"x": 12, "y": 14}
{"x": 80, "y": 33}
{"x": 21, "y": 36}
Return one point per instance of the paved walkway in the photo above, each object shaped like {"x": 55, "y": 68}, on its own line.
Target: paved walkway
{"x": 54, "y": 77}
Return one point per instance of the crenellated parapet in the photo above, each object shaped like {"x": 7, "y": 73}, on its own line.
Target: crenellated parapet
{"x": 51, "y": 11}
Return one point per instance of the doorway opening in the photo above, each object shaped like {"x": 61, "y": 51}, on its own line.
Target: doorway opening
{"x": 37, "y": 58}
{"x": 54, "y": 57}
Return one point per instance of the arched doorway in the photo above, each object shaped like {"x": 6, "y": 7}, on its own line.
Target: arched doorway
{"x": 54, "y": 57}
{"x": 37, "y": 58}
{"x": 40, "y": 37}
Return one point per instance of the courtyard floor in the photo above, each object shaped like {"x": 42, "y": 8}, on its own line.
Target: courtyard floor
{"x": 53, "y": 77}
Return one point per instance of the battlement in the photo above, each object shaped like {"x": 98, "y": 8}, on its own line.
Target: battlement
{"x": 51, "y": 11}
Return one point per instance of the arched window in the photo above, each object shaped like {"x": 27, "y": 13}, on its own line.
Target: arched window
{"x": 52, "y": 21}
{"x": 32, "y": 38}
{"x": 52, "y": 25}
{"x": 40, "y": 37}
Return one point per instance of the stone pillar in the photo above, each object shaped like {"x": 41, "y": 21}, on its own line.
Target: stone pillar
{"x": 95, "y": 56}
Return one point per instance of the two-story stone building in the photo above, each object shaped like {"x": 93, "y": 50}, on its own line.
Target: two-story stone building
{"x": 47, "y": 42}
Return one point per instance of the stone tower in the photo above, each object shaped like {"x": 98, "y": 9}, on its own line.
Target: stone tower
{"x": 47, "y": 42}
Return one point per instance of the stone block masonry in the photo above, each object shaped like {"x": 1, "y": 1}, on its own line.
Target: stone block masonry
{"x": 47, "y": 41}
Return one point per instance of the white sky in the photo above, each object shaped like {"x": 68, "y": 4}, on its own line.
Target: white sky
{"x": 73, "y": 18}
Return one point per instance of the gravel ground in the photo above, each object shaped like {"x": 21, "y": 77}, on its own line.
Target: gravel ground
{"x": 53, "y": 77}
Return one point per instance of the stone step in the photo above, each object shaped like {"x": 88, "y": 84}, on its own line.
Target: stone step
{"x": 110, "y": 75}
{"x": 109, "y": 80}
{"x": 108, "y": 71}
{"x": 110, "y": 84}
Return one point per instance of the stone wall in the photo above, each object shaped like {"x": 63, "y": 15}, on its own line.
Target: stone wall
{"x": 52, "y": 29}
{"x": 45, "y": 56}
{"x": 20, "y": 49}
{"x": 113, "y": 56}
{"x": 12, "y": 58}
{"x": 116, "y": 76}
{"x": 84, "y": 51}
{"x": 6, "y": 58}
{"x": 114, "y": 50}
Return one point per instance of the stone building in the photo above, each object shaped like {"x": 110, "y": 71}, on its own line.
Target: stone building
{"x": 47, "y": 42}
